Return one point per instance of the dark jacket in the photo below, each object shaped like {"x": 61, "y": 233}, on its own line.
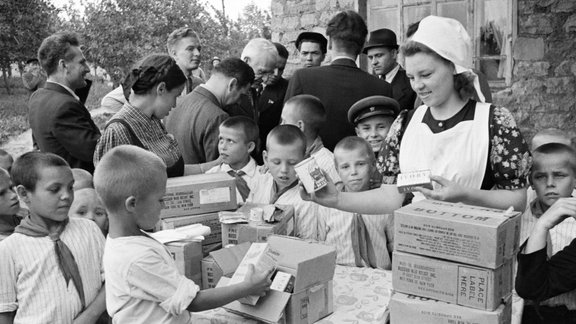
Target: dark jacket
{"x": 402, "y": 90}
{"x": 62, "y": 125}
{"x": 338, "y": 85}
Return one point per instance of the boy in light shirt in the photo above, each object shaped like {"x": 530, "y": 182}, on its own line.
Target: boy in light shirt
{"x": 360, "y": 240}
{"x": 143, "y": 284}
{"x": 238, "y": 138}
{"x": 285, "y": 147}
{"x": 307, "y": 113}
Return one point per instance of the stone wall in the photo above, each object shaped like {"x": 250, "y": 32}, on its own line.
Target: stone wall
{"x": 543, "y": 90}
{"x": 543, "y": 93}
{"x": 291, "y": 17}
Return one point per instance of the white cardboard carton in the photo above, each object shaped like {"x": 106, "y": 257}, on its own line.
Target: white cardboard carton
{"x": 199, "y": 194}
{"x": 451, "y": 282}
{"x": 479, "y": 236}
{"x": 222, "y": 262}
{"x": 210, "y": 220}
{"x": 410, "y": 309}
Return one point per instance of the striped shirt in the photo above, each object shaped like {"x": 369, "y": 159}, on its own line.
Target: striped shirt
{"x": 560, "y": 236}
{"x": 143, "y": 284}
{"x": 335, "y": 228}
{"x": 32, "y": 283}
{"x": 305, "y": 217}
{"x": 149, "y": 130}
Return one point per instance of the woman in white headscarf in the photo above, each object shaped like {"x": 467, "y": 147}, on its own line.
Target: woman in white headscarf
{"x": 474, "y": 150}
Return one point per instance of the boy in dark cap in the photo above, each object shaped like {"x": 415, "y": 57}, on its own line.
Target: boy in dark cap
{"x": 312, "y": 47}
{"x": 372, "y": 118}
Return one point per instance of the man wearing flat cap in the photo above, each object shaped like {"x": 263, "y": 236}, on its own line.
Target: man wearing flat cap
{"x": 312, "y": 48}
{"x": 372, "y": 118}
{"x": 382, "y": 51}
{"x": 340, "y": 84}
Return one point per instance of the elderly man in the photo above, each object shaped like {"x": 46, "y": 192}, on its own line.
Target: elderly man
{"x": 183, "y": 45}
{"x": 340, "y": 84}
{"x": 312, "y": 48}
{"x": 261, "y": 55}
{"x": 59, "y": 121}
{"x": 382, "y": 51}
{"x": 194, "y": 123}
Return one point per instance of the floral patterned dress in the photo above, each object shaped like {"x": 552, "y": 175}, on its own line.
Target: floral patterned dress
{"x": 509, "y": 158}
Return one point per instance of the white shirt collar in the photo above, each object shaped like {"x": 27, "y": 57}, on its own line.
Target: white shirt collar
{"x": 67, "y": 89}
{"x": 390, "y": 75}
{"x": 249, "y": 169}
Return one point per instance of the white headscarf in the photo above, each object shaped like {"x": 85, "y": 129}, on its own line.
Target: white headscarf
{"x": 448, "y": 38}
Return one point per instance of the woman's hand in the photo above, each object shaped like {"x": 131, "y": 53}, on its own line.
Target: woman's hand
{"x": 447, "y": 191}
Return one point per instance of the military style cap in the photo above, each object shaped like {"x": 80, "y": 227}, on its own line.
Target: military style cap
{"x": 317, "y": 37}
{"x": 373, "y": 106}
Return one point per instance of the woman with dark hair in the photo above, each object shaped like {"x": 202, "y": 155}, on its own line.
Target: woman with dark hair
{"x": 474, "y": 150}
{"x": 151, "y": 89}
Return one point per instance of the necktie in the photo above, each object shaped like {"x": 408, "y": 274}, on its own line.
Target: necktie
{"x": 188, "y": 85}
{"x": 66, "y": 260}
{"x": 241, "y": 184}
{"x": 277, "y": 194}
{"x": 364, "y": 253}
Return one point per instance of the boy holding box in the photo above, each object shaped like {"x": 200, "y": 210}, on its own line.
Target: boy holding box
{"x": 553, "y": 177}
{"x": 285, "y": 147}
{"x": 143, "y": 283}
{"x": 52, "y": 265}
{"x": 237, "y": 140}
{"x": 307, "y": 113}
{"x": 360, "y": 240}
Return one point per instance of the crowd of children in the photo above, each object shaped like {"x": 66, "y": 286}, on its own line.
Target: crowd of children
{"x": 90, "y": 231}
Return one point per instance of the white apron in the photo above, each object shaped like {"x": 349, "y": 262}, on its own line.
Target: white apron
{"x": 458, "y": 154}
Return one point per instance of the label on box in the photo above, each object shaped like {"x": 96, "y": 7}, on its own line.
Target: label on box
{"x": 214, "y": 195}
{"x": 311, "y": 175}
{"x": 409, "y": 181}
{"x": 283, "y": 282}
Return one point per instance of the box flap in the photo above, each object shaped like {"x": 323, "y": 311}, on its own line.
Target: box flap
{"x": 197, "y": 178}
{"x": 269, "y": 308}
{"x": 229, "y": 258}
{"x": 458, "y": 212}
{"x": 312, "y": 262}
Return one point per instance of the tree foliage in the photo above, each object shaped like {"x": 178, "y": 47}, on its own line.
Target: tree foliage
{"x": 23, "y": 26}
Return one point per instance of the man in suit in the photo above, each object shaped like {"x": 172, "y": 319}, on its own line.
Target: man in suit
{"x": 382, "y": 51}
{"x": 59, "y": 121}
{"x": 261, "y": 55}
{"x": 271, "y": 100}
{"x": 312, "y": 48}
{"x": 340, "y": 84}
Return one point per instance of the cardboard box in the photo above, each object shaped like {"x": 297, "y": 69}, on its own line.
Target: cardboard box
{"x": 479, "y": 236}
{"x": 206, "y": 249}
{"x": 222, "y": 263}
{"x": 210, "y": 220}
{"x": 264, "y": 260}
{"x": 258, "y": 231}
{"x": 312, "y": 265}
{"x": 188, "y": 257}
{"x": 199, "y": 194}
{"x": 451, "y": 282}
{"x": 410, "y": 309}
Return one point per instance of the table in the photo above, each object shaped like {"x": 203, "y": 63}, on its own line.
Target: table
{"x": 361, "y": 295}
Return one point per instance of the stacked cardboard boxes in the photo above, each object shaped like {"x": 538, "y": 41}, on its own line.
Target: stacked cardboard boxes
{"x": 457, "y": 254}
{"x": 197, "y": 199}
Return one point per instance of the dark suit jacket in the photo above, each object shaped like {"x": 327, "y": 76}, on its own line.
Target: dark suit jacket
{"x": 62, "y": 125}
{"x": 402, "y": 90}
{"x": 338, "y": 86}
{"x": 270, "y": 105}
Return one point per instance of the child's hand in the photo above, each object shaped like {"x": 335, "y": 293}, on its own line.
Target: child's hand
{"x": 559, "y": 211}
{"x": 327, "y": 196}
{"x": 259, "y": 283}
{"x": 448, "y": 190}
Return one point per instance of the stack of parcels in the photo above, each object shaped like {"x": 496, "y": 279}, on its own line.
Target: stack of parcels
{"x": 239, "y": 227}
{"x": 197, "y": 199}
{"x": 452, "y": 263}
{"x": 302, "y": 281}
